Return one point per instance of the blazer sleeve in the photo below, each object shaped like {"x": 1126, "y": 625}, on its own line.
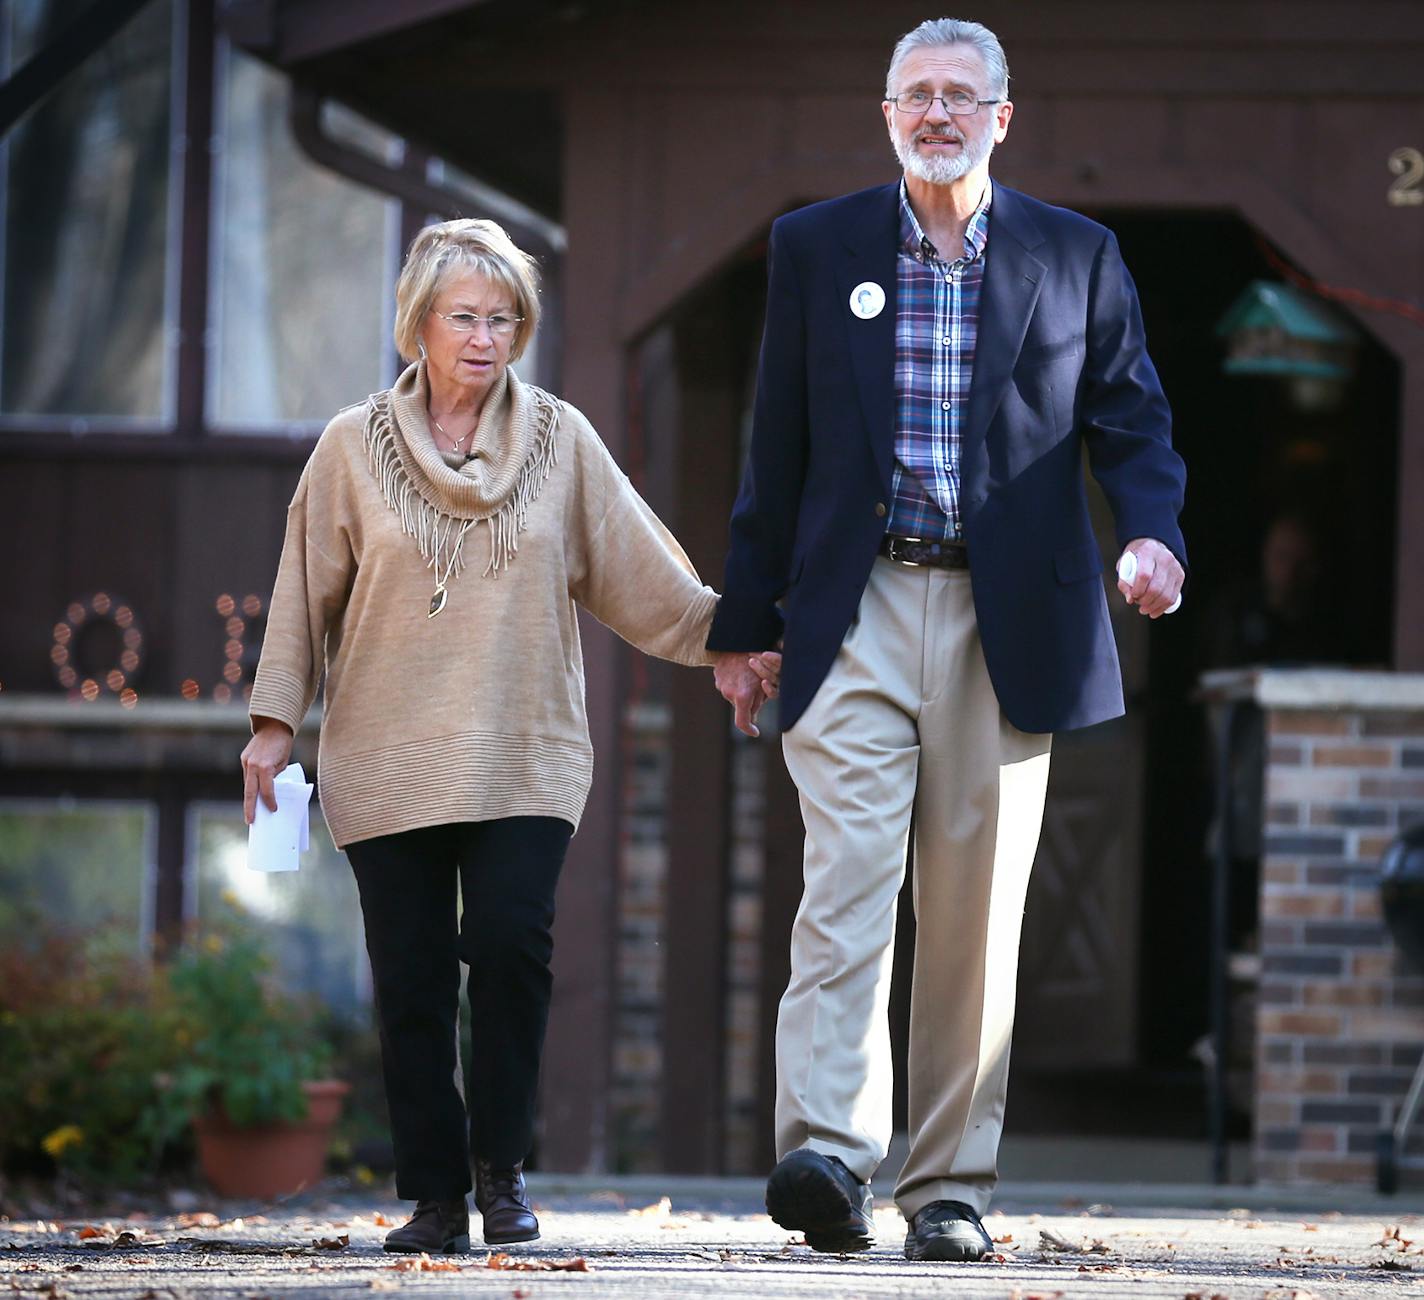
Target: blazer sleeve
{"x": 1125, "y": 418}
{"x": 763, "y": 526}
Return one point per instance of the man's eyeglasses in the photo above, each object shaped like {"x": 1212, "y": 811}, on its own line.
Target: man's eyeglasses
{"x": 464, "y": 322}
{"x": 958, "y": 103}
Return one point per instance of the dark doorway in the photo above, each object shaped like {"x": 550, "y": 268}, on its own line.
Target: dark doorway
{"x": 1258, "y": 452}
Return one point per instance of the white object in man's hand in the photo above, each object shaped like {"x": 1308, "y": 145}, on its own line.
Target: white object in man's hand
{"x": 1150, "y": 577}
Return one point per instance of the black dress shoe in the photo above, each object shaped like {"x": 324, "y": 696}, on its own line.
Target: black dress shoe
{"x": 947, "y": 1230}
{"x": 503, "y": 1202}
{"x": 819, "y": 1196}
{"x": 436, "y": 1228}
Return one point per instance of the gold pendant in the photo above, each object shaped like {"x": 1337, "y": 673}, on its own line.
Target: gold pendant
{"x": 437, "y": 601}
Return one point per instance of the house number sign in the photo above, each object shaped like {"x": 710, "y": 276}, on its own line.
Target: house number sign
{"x": 1407, "y": 190}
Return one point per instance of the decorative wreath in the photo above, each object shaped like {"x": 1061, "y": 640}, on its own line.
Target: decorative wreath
{"x": 87, "y": 680}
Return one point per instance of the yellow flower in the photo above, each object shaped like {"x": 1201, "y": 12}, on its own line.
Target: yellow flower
{"x": 213, "y": 943}
{"x": 232, "y": 900}
{"x": 64, "y": 1137}
{"x": 364, "y": 1176}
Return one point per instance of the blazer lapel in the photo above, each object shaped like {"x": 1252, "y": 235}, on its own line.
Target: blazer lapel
{"x": 872, "y": 239}
{"x": 1013, "y": 278}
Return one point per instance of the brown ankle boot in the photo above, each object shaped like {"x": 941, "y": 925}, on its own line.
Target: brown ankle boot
{"x": 436, "y": 1227}
{"x": 501, "y": 1199}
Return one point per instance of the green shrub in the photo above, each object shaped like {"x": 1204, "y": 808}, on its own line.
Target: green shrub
{"x": 248, "y": 1046}
{"x": 85, "y": 1027}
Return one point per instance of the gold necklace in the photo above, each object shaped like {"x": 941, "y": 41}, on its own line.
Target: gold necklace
{"x": 454, "y": 442}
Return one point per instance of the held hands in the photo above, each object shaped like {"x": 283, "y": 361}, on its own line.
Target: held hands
{"x": 267, "y": 753}
{"x": 746, "y": 682}
{"x": 1150, "y": 577}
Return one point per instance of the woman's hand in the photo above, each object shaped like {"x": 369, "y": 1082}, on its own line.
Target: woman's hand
{"x": 767, "y": 666}
{"x": 267, "y": 753}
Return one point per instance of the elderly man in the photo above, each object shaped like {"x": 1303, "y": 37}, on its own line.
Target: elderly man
{"x": 939, "y": 353}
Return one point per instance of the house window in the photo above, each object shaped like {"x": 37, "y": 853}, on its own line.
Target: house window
{"x": 89, "y": 218}
{"x": 304, "y": 267}
{"x": 310, "y": 918}
{"x": 76, "y": 866}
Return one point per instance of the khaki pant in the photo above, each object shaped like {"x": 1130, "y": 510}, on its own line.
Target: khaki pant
{"x": 907, "y": 722}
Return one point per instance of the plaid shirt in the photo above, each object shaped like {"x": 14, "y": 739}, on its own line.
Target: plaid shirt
{"x": 936, "y": 326}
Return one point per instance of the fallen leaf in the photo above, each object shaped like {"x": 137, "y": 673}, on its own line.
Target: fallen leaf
{"x": 659, "y": 1210}
{"x": 380, "y": 1220}
{"x": 1097, "y": 1268}
{"x": 422, "y": 1264}
{"x": 1048, "y": 1240}
{"x": 1005, "y": 1240}
{"x": 1034, "y": 1295}
{"x": 332, "y": 1243}
{"x": 509, "y": 1263}
{"x": 202, "y": 1219}
{"x": 996, "y": 1257}
{"x": 1391, "y": 1264}
{"x": 87, "y": 1232}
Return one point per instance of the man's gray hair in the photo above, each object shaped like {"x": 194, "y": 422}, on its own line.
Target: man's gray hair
{"x": 954, "y": 31}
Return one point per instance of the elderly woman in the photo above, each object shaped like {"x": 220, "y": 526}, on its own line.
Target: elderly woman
{"x": 438, "y": 541}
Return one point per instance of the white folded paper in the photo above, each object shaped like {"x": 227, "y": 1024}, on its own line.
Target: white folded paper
{"x": 275, "y": 839}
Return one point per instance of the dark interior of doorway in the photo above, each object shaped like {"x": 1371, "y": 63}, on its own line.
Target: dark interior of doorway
{"x": 1254, "y": 453}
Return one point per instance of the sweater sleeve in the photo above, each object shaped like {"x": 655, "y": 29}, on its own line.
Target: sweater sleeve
{"x": 313, "y": 582}
{"x": 627, "y": 569}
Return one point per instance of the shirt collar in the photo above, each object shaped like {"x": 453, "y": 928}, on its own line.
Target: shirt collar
{"x": 916, "y": 243}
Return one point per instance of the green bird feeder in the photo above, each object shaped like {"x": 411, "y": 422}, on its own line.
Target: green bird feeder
{"x": 1277, "y": 330}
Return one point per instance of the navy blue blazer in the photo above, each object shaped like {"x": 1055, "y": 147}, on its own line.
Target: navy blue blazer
{"x": 1060, "y": 366}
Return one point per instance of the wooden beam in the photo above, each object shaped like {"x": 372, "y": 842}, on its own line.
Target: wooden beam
{"x": 710, "y": 363}
{"x": 310, "y": 29}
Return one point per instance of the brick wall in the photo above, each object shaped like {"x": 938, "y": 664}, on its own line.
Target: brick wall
{"x": 1340, "y": 1017}
{"x": 643, "y": 865}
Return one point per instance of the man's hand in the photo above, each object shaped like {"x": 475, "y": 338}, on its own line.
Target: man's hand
{"x": 1159, "y": 578}
{"x": 746, "y": 682}
{"x": 267, "y": 753}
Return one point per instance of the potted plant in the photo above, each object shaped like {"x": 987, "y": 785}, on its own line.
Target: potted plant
{"x": 254, "y": 1082}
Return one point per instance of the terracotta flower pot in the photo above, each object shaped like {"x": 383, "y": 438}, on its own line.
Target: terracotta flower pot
{"x": 270, "y": 1160}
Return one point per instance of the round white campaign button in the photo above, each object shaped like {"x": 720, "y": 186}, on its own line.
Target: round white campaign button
{"x": 867, "y": 299}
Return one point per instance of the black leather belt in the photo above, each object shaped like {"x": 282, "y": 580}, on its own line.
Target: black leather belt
{"x": 915, "y": 550}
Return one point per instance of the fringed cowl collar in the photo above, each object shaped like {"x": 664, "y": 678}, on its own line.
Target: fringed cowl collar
{"x": 515, "y": 449}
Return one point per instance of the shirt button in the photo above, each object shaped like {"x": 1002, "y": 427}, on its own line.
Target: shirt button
{"x": 944, "y": 406}
{"x": 946, "y": 340}
{"x": 880, "y": 510}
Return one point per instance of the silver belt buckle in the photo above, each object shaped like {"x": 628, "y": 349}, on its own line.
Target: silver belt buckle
{"x": 894, "y": 544}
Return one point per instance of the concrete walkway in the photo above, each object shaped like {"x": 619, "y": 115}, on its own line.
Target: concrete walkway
{"x": 649, "y": 1237}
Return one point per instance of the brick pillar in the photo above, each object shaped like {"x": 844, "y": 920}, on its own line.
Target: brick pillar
{"x": 1340, "y": 1020}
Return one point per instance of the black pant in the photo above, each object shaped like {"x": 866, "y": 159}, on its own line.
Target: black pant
{"x": 507, "y": 870}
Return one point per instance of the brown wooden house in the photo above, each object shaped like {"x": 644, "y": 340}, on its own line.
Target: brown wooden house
{"x": 203, "y": 219}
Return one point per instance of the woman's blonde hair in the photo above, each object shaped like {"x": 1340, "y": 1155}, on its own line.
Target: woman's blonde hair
{"x": 465, "y": 245}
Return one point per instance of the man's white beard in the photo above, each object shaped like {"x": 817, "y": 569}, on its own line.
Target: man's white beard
{"x": 943, "y": 169}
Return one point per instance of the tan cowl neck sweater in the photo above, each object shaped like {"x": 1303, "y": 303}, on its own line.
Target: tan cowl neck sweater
{"x": 477, "y": 712}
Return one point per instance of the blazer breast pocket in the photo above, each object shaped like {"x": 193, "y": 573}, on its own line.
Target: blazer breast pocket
{"x": 1041, "y": 354}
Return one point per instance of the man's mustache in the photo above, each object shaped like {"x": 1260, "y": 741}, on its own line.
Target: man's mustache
{"x": 944, "y": 134}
